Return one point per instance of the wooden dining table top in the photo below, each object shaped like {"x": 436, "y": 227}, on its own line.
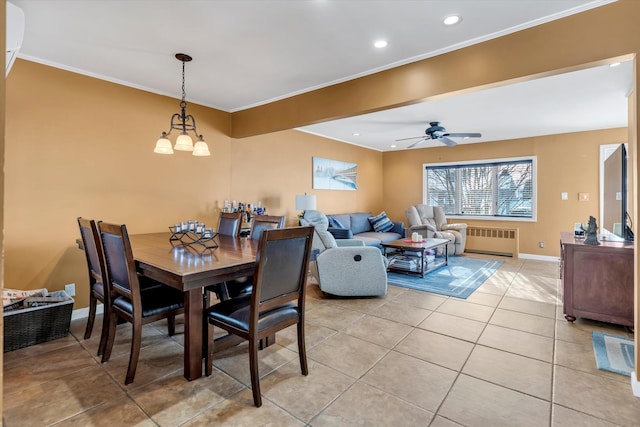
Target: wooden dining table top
{"x": 187, "y": 267}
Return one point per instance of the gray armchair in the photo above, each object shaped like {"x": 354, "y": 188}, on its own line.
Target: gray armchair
{"x": 431, "y": 221}
{"x": 345, "y": 267}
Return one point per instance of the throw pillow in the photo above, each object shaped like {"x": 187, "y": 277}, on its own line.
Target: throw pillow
{"x": 381, "y": 223}
{"x": 335, "y": 223}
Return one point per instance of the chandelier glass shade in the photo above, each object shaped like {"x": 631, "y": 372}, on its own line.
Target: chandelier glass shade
{"x": 183, "y": 123}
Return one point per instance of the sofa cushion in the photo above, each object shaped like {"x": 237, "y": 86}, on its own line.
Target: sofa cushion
{"x": 340, "y": 233}
{"x": 334, "y": 223}
{"x": 360, "y": 222}
{"x": 343, "y": 219}
{"x": 381, "y": 222}
{"x": 369, "y": 238}
{"x": 386, "y": 237}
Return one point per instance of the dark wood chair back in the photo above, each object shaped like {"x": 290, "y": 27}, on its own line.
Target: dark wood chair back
{"x": 92, "y": 249}
{"x": 279, "y": 279}
{"x": 265, "y": 222}
{"x": 281, "y": 268}
{"x": 121, "y": 268}
{"x": 133, "y": 301}
{"x": 233, "y": 288}
{"x": 97, "y": 272}
{"x": 229, "y": 223}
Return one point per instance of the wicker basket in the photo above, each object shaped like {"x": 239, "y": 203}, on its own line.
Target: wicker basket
{"x": 29, "y": 326}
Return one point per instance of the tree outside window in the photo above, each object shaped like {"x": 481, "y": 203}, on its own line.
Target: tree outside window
{"x": 497, "y": 188}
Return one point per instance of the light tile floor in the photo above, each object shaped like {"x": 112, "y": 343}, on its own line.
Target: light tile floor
{"x": 503, "y": 357}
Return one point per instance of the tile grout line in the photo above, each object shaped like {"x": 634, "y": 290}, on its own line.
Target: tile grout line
{"x": 475, "y": 344}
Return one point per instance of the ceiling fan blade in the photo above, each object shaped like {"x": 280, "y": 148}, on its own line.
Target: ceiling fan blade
{"x": 418, "y": 142}
{"x": 413, "y": 137}
{"x": 447, "y": 141}
{"x": 464, "y": 135}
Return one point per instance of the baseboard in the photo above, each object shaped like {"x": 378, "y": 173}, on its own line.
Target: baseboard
{"x": 83, "y": 313}
{"x": 635, "y": 385}
{"x": 539, "y": 257}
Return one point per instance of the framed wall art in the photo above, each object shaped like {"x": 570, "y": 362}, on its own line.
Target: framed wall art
{"x": 334, "y": 174}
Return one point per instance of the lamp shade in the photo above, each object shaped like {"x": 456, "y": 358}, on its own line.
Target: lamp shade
{"x": 184, "y": 143}
{"x": 163, "y": 146}
{"x": 305, "y": 202}
{"x": 201, "y": 148}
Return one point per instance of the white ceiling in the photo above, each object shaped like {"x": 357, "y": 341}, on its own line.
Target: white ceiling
{"x": 250, "y": 52}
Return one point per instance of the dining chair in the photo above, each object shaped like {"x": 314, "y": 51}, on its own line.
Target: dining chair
{"x": 282, "y": 261}
{"x": 229, "y": 223}
{"x": 241, "y": 286}
{"x": 265, "y": 222}
{"x": 135, "y": 299}
{"x": 96, "y": 267}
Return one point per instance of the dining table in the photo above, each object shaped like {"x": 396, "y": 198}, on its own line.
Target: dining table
{"x": 190, "y": 268}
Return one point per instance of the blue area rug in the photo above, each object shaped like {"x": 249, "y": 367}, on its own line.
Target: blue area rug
{"x": 459, "y": 279}
{"x": 613, "y": 353}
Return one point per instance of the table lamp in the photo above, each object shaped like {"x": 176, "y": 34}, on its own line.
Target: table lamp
{"x": 305, "y": 202}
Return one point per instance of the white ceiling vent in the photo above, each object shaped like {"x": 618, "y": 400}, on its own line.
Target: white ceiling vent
{"x": 15, "y": 33}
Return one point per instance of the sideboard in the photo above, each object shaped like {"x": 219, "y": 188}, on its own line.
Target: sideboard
{"x": 597, "y": 280}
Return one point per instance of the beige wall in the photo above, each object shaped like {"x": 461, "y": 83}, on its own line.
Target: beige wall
{"x": 275, "y": 167}
{"x": 565, "y": 163}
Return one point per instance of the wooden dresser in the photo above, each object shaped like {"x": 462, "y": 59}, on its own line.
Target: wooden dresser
{"x": 597, "y": 279}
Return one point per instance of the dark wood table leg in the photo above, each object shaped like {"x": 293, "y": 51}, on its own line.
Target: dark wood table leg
{"x": 193, "y": 334}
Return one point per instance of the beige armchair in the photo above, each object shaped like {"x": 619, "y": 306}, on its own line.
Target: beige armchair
{"x": 430, "y": 221}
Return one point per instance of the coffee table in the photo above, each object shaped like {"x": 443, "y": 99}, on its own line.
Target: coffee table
{"x": 409, "y": 257}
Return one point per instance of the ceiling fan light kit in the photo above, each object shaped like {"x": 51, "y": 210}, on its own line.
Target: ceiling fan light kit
{"x": 437, "y": 132}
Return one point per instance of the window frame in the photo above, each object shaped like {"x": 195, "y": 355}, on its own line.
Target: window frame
{"x": 534, "y": 186}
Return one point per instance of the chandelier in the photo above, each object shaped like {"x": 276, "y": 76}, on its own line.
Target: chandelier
{"x": 183, "y": 123}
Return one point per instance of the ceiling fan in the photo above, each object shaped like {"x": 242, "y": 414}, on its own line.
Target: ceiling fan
{"x": 437, "y": 132}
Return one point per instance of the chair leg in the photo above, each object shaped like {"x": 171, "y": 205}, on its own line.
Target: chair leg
{"x": 209, "y": 346}
{"x": 205, "y": 322}
{"x": 171, "y": 324}
{"x": 108, "y": 346}
{"x": 135, "y": 352}
{"x": 255, "y": 376}
{"x": 302, "y": 349}
{"x": 106, "y": 321}
{"x": 93, "y": 302}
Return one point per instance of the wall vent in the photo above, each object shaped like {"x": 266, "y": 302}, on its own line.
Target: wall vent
{"x": 493, "y": 241}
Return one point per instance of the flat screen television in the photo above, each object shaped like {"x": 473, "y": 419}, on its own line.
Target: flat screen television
{"x": 616, "y": 220}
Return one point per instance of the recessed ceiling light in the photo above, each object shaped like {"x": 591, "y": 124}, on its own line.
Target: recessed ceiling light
{"x": 355, "y": 134}
{"x": 380, "y": 44}
{"x": 615, "y": 64}
{"x": 451, "y": 20}
{"x": 393, "y": 145}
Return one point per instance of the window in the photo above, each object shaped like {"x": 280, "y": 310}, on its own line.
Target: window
{"x": 493, "y": 188}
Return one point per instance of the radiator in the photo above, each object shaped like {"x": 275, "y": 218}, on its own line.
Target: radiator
{"x": 493, "y": 240}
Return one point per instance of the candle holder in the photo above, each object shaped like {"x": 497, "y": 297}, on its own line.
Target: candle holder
{"x": 192, "y": 233}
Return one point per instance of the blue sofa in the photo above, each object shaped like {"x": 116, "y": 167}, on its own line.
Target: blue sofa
{"x": 357, "y": 226}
